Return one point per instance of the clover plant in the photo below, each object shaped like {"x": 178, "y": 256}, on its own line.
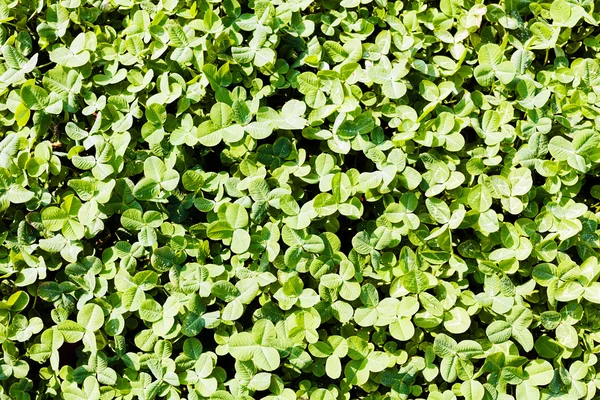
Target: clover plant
{"x": 297, "y": 199}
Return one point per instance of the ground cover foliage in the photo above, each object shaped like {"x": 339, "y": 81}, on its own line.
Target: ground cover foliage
{"x": 295, "y": 199}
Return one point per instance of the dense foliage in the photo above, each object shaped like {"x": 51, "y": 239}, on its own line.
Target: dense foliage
{"x": 282, "y": 199}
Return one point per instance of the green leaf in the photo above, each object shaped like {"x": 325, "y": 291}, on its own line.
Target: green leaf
{"x": 150, "y": 310}
{"x": 560, "y": 148}
{"x": 34, "y": 97}
{"x": 54, "y": 218}
{"x": 156, "y": 114}
{"x": 146, "y": 189}
{"x": 415, "y": 281}
{"x": 457, "y": 320}
{"x": 472, "y": 390}
{"x": 361, "y": 243}
{"x": 307, "y": 82}
{"x": 499, "y": 331}
{"x": 237, "y": 216}
{"x": 403, "y": 329}
{"x": 489, "y": 54}
{"x": 438, "y": 210}
{"x": 240, "y": 241}
{"x": 71, "y": 331}
{"x": 132, "y": 219}
{"x": 444, "y": 346}
{"x": 219, "y": 230}
{"x": 178, "y": 36}
{"x": 480, "y": 198}
{"x": 540, "y": 372}
{"x": 91, "y": 317}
